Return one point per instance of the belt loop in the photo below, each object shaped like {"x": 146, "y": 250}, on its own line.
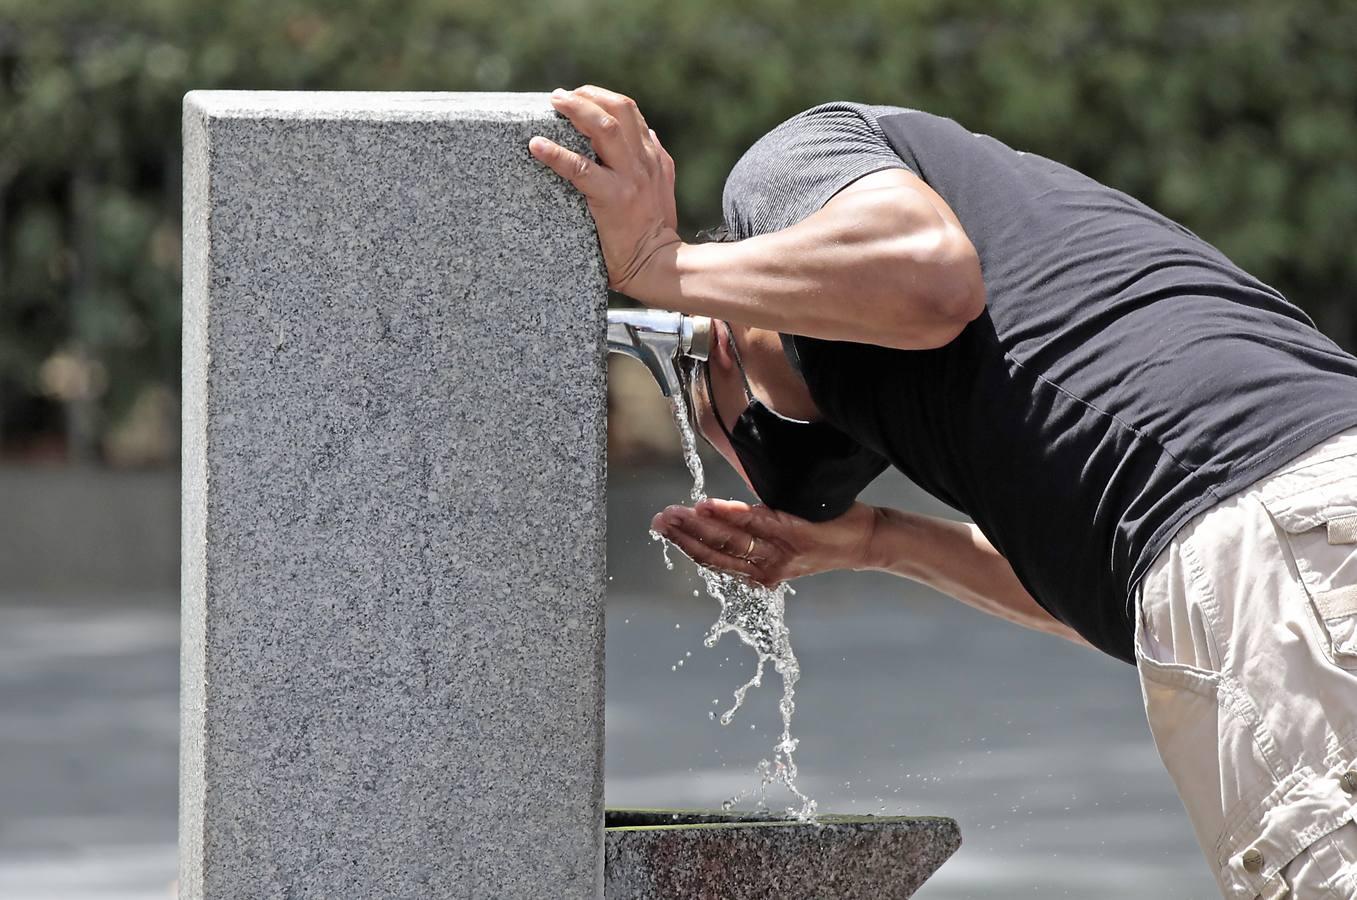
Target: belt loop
{"x": 1343, "y": 530}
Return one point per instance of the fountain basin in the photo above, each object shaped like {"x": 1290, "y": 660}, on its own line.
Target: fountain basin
{"x": 659, "y": 854}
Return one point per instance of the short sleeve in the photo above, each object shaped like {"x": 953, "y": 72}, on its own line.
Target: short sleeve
{"x": 795, "y": 169}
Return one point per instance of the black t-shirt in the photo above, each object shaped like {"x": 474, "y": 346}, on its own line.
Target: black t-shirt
{"x": 1124, "y": 376}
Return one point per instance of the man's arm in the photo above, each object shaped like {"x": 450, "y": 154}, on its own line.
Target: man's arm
{"x": 768, "y": 546}
{"x": 957, "y": 559}
{"x": 883, "y": 262}
{"x": 877, "y": 264}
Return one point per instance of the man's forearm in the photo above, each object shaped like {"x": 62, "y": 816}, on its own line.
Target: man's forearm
{"x": 876, "y": 266}
{"x": 956, "y": 559}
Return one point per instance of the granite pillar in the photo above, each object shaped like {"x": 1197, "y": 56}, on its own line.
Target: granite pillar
{"x": 393, "y": 502}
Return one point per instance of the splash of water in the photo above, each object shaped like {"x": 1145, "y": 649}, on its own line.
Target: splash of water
{"x": 756, "y": 615}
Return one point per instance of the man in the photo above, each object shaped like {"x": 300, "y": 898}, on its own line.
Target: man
{"x": 1159, "y": 451}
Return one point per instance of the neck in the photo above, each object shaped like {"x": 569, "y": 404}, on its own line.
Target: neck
{"x": 771, "y": 376}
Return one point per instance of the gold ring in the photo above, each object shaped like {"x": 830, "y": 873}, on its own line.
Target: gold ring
{"x": 750, "y": 549}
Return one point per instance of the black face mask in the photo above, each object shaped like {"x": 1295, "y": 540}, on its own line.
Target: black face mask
{"x": 808, "y": 469}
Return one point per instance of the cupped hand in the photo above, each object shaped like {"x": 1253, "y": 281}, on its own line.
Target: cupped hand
{"x": 765, "y": 545}
{"x": 629, "y": 190}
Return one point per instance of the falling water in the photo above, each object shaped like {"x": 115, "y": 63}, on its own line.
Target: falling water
{"x": 756, "y": 615}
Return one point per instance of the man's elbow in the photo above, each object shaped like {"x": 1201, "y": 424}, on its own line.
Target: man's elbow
{"x": 954, "y": 292}
{"x": 964, "y": 300}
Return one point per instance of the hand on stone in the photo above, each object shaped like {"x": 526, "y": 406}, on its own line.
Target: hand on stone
{"x": 765, "y": 545}
{"x": 630, "y": 189}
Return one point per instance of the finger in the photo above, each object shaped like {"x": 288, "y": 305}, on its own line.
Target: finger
{"x": 634, "y": 127}
{"x": 587, "y": 176}
{"x": 759, "y": 521}
{"x": 663, "y": 519}
{"x": 717, "y": 533}
{"x": 604, "y": 130}
{"x": 705, "y": 555}
{"x": 621, "y": 106}
{"x": 667, "y": 170}
{"x": 666, "y": 161}
{"x": 734, "y": 510}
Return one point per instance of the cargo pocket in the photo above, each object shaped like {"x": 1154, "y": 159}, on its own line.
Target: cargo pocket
{"x": 1319, "y": 529}
{"x": 1328, "y": 867}
{"x": 1295, "y": 845}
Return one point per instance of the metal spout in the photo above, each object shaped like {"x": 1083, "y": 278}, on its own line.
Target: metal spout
{"x": 659, "y": 339}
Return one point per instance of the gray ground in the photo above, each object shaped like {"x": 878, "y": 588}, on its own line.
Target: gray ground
{"x": 909, "y": 703}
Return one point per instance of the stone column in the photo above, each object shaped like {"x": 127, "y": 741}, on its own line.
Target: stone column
{"x": 393, "y": 508}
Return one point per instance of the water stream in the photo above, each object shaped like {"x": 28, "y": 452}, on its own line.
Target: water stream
{"x": 756, "y": 615}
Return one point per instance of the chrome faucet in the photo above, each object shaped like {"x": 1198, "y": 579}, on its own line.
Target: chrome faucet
{"x": 659, "y": 339}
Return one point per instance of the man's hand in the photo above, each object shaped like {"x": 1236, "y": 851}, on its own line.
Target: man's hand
{"x": 630, "y": 190}
{"x": 765, "y": 545}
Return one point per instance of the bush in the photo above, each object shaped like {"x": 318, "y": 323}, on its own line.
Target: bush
{"x": 1236, "y": 119}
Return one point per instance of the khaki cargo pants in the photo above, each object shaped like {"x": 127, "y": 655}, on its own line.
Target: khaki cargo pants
{"x": 1246, "y": 644}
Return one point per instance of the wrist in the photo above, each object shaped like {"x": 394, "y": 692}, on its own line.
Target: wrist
{"x": 689, "y": 278}
{"x": 656, "y": 280}
{"x": 872, "y": 554}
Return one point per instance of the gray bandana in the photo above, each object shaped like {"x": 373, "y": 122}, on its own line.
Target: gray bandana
{"x": 793, "y": 170}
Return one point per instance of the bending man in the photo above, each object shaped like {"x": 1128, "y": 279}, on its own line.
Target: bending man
{"x": 1158, "y": 450}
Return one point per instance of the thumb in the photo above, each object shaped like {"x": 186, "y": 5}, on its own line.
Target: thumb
{"x": 588, "y": 177}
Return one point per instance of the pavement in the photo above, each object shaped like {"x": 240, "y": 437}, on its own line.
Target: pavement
{"x": 908, "y": 704}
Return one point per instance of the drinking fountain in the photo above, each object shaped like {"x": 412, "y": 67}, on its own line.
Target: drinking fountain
{"x": 660, "y": 340}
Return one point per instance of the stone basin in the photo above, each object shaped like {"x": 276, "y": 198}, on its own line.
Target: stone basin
{"x": 666, "y": 854}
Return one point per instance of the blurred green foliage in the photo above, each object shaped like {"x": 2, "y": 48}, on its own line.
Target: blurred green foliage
{"x": 1238, "y": 119}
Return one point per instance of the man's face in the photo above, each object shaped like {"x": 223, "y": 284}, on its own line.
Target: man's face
{"x": 720, "y": 374}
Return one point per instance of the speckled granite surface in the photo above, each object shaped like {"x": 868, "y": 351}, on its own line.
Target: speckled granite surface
{"x": 393, "y": 519}
{"x": 663, "y": 855}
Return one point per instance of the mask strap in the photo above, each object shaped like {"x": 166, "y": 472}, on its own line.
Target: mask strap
{"x": 711, "y": 401}
{"x": 739, "y": 363}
